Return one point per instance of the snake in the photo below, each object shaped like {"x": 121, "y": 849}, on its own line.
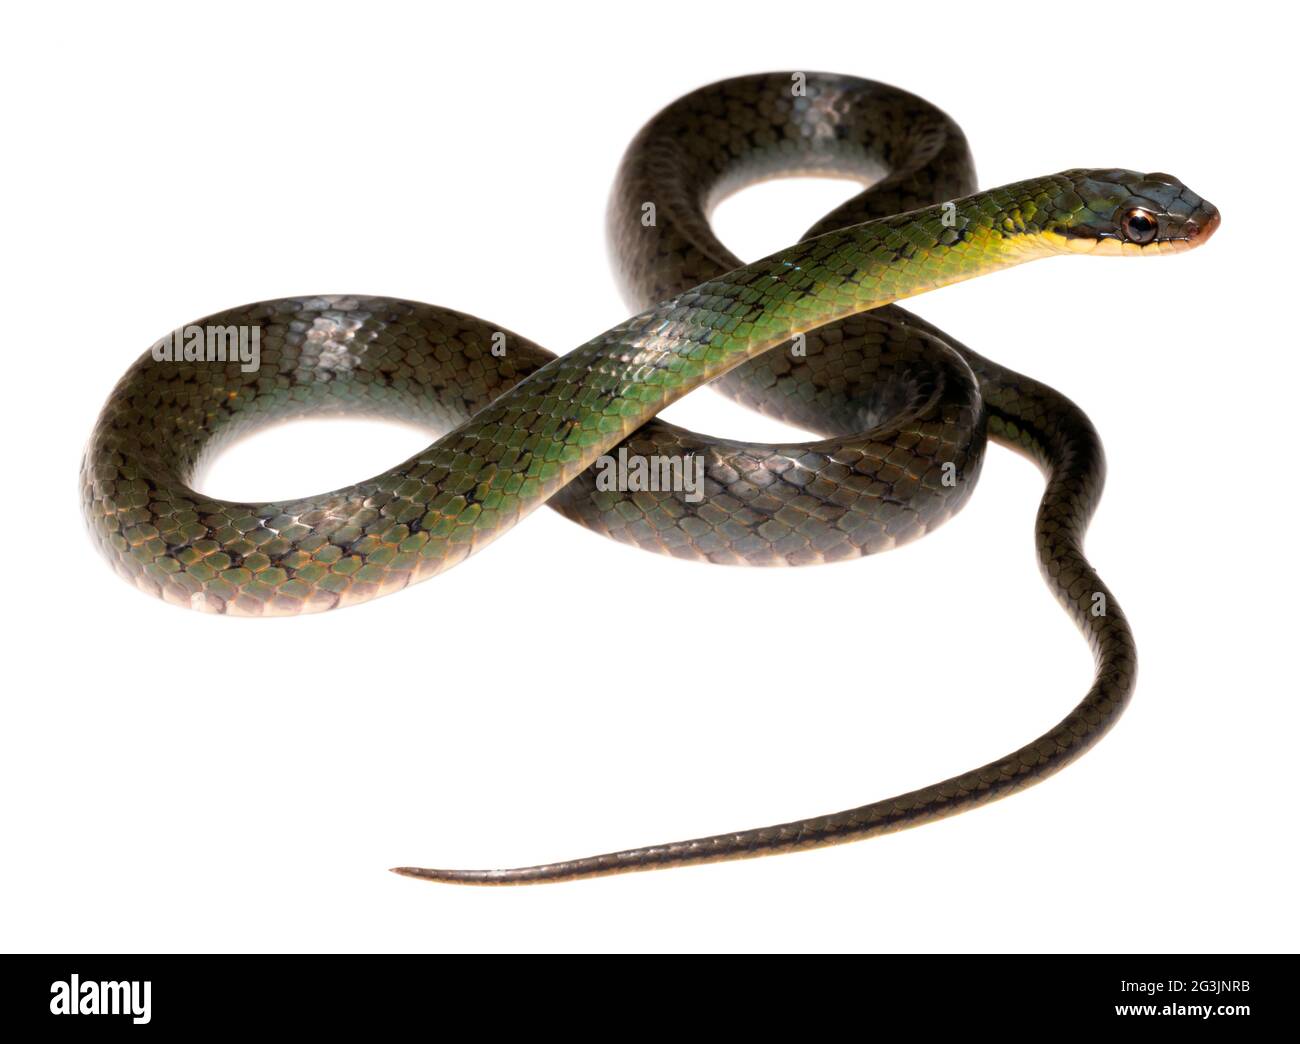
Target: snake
{"x": 810, "y": 335}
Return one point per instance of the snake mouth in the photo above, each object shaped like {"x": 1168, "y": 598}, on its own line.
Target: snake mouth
{"x": 1194, "y": 231}
{"x": 1177, "y": 235}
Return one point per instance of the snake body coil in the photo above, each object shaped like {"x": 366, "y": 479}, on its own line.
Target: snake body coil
{"x": 902, "y": 408}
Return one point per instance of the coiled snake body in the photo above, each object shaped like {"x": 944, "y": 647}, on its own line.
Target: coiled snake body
{"x": 903, "y": 409}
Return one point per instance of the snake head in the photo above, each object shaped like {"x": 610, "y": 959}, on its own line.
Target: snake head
{"x": 1122, "y": 212}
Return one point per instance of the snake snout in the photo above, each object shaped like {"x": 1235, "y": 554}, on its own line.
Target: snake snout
{"x": 1202, "y": 224}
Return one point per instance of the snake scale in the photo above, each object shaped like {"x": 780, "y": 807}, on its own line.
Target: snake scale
{"x": 809, "y": 335}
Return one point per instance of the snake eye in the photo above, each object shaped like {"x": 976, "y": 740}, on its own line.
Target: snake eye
{"x": 1138, "y": 225}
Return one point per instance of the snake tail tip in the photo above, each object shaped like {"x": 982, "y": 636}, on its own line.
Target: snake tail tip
{"x": 468, "y": 877}
{"x": 423, "y": 874}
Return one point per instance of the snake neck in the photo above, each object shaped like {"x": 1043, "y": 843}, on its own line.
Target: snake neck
{"x": 726, "y": 320}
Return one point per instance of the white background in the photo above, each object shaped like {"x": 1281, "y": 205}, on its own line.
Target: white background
{"x": 175, "y": 781}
